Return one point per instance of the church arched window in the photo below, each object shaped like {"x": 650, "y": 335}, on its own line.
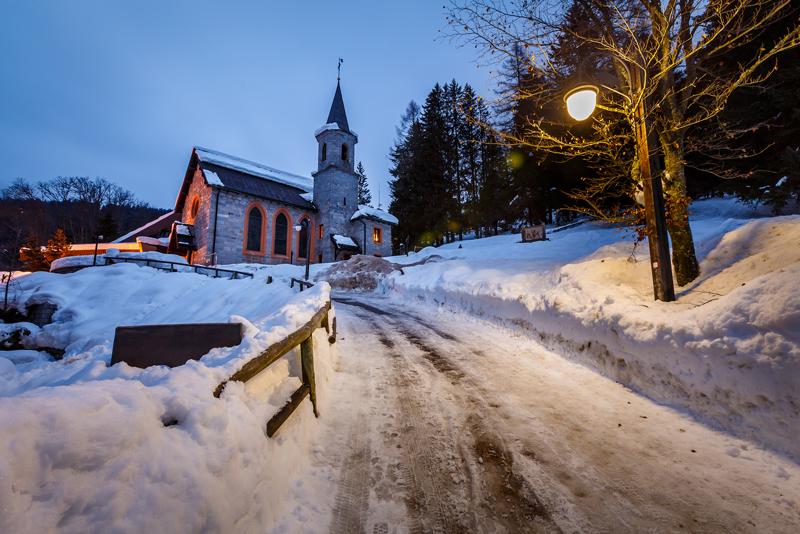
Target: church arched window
{"x": 344, "y": 152}
{"x": 193, "y": 211}
{"x": 255, "y": 230}
{"x": 281, "y": 241}
{"x": 324, "y": 151}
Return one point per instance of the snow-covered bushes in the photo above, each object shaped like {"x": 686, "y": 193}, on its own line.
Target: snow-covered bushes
{"x": 90, "y": 448}
{"x": 728, "y": 350}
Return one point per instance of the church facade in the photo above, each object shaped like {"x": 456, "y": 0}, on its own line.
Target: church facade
{"x": 231, "y": 210}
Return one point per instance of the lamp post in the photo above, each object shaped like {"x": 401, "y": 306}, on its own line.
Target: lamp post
{"x": 97, "y": 239}
{"x": 299, "y": 227}
{"x": 581, "y": 102}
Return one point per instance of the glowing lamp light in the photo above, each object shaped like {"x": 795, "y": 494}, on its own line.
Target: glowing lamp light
{"x": 581, "y": 102}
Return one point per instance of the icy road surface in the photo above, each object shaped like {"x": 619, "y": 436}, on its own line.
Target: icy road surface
{"x": 444, "y": 422}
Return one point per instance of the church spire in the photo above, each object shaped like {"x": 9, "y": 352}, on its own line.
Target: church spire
{"x": 337, "y": 113}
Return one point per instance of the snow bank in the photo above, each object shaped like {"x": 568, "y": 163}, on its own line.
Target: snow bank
{"x": 86, "y": 446}
{"x": 89, "y": 260}
{"x": 728, "y": 350}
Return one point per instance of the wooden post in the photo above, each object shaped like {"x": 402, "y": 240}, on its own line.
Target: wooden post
{"x": 307, "y": 363}
{"x": 657, "y": 240}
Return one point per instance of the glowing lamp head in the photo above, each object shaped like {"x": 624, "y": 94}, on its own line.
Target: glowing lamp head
{"x": 581, "y": 102}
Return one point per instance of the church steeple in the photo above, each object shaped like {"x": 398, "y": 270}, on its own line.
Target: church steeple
{"x": 337, "y": 113}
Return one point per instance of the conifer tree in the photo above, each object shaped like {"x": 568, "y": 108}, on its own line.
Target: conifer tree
{"x": 107, "y": 226}
{"x": 364, "y": 196}
{"x": 57, "y": 247}
{"x": 32, "y": 256}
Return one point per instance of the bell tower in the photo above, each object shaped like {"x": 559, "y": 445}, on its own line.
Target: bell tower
{"x": 336, "y": 142}
{"x": 335, "y": 182}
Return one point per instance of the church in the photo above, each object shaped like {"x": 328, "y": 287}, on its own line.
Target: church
{"x": 231, "y": 210}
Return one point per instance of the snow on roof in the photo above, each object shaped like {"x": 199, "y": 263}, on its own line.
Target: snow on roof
{"x": 81, "y": 247}
{"x": 156, "y": 241}
{"x": 374, "y": 213}
{"x": 134, "y": 232}
{"x": 326, "y": 127}
{"x": 183, "y": 228}
{"x": 332, "y": 126}
{"x": 307, "y": 196}
{"x": 343, "y": 241}
{"x": 212, "y": 178}
{"x": 256, "y": 169}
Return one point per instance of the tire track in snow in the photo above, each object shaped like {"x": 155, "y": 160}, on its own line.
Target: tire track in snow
{"x": 352, "y": 494}
{"x": 460, "y": 476}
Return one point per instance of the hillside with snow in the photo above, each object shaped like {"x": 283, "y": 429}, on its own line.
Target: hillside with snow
{"x": 89, "y": 447}
{"x": 728, "y": 350}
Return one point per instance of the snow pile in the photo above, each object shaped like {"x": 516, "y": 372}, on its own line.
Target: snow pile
{"x": 360, "y": 273}
{"x": 728, "y": 350}
{"x": 87, "y": 446}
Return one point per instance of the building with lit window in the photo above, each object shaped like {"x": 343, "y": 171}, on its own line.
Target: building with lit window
{"x": 231, "y": 210}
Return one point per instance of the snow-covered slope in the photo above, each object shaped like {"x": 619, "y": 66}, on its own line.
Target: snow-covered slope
{"x": 88, "y": 448}
{"x": 728, "y": 350}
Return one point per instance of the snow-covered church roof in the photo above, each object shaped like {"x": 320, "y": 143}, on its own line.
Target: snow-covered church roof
{"x": 215, "y": 157}
{"x": 248, "y": 177}
{"x": 368, "y": 212}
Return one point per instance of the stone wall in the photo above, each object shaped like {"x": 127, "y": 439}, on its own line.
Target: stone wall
{"x": 384, "y": 248}
{"x": 233, "y": 210}
{"x": 201, "y": 191}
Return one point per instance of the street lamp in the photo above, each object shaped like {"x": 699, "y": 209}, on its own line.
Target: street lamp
{"x": 298, "y": 228}
{"x": 581, "y": 102}
{"x": 97, "y": 239}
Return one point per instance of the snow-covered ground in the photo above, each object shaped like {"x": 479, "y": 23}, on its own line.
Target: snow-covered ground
{"x": 447, "y": 422}
{"x": 728, "y": 350}
{"x": 91, "y": 448}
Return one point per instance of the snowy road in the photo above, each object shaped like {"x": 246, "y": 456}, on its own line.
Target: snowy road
{"x": 447, "y": 423}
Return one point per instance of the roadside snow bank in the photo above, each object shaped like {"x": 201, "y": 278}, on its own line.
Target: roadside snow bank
{"x": 728, "y": 350}
{"x": 88, "y": 446}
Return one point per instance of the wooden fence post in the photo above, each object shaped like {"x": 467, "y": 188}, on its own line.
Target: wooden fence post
{"x": 307, "y": 363}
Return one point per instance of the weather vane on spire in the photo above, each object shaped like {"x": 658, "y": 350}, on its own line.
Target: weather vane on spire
{"x": 339, "y": 70}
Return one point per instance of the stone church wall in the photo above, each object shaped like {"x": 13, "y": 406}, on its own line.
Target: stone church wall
{"x": 202, "y": 222}
{"x": 230, "y": 246}
{"x": 384, "y": 248}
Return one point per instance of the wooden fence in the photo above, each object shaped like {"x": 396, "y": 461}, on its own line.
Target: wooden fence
{"x": 302, "y": 283}
{"x": 214, "y": 272}
{"x": 302, "y": 337}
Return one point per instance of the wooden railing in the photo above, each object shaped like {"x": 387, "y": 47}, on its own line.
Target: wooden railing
{"x": 300, "y": 283}
{"x": 162, "y": 264}
{"x": 302, "y": 337}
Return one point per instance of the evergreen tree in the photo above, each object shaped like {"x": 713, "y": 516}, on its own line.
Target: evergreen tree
{"x": 364, "y": 196}
{"x": 107, "y": 226}
{"x": 57, "y": 247}
{"x": 472, "y": 135}
{"x": 408, "y": 188}
{"x": 454, "y": 140}
{"x": 32, "y": 256}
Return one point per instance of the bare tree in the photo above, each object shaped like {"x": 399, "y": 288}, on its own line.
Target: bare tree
{"x": 667, "y": 44}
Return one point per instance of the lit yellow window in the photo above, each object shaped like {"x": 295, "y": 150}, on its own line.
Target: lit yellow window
{"x": 377, "y": 235}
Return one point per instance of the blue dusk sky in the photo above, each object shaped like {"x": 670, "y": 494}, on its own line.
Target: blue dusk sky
{"x": 124, "y": 89}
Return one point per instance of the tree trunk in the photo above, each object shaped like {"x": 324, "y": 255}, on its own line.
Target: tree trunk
{"x": 684, "y": 258}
